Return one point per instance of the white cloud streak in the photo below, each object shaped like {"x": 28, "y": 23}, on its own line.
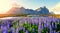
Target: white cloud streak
{"x": 55, "y": 8}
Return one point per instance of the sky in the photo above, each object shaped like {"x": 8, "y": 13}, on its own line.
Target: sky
{"x": 52, "y": 5}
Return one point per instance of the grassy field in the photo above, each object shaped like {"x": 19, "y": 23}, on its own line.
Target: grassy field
{"x": 26, "y": 15}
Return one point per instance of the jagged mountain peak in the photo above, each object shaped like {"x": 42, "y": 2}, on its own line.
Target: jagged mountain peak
{"x": 42, "y": 10}
{"x": 22, "y": 10}
{"x": 38, "y": 9}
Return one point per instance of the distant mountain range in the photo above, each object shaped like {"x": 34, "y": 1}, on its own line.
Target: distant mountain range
{"x": 22, "y": 10}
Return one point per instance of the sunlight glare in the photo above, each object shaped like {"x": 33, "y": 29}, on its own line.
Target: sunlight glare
{"x": 5, "y": 5}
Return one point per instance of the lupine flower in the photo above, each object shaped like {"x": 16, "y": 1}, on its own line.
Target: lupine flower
{"x": 30, "y": 25}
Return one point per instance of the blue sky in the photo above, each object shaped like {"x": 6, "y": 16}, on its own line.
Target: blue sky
{"x": 52, "y": 5}
{"x": 33, "y": 4}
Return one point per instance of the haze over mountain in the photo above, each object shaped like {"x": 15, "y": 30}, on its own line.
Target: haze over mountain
{"x": 22, "y": 10}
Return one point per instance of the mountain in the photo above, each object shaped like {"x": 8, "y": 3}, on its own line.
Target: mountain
{"x": 22, "y": 10}
{"x": 16, "y": 10}
{"x": 43, "y": 10}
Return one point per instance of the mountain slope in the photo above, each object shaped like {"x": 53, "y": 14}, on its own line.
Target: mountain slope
{"x": 22, "y": 10}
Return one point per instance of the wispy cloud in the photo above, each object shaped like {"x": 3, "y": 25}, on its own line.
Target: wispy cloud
{"x": 56, "y": 8}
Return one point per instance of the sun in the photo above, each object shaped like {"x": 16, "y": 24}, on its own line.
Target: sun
{"x": 5, "y": 5}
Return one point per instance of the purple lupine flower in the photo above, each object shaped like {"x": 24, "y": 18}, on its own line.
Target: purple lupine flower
{"x": 12, "y": 30}
{"x": 54, "y": 31}
{"x": 17, "y": 30}
{"x": 54, "y": 19}
{"x": 39, "y": 28}
{"x": 36, "y": 20}
{"x": 48, "y": 19}
{"x": 32, "y": 21}
{"x": 51, "y": 29}
{"x": 27, "y": 31}
{"x": 45, "y": 24}
{"x": 20, "y": 28}
{"x": 29, "y": 20}
{"x": 4, "y": 29}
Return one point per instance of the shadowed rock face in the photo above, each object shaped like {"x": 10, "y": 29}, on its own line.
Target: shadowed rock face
{"x": 43, "y": 10}
{"x": 22, "y": 10}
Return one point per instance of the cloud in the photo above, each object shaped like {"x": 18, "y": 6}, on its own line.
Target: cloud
{"x": 55, "y": 8}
